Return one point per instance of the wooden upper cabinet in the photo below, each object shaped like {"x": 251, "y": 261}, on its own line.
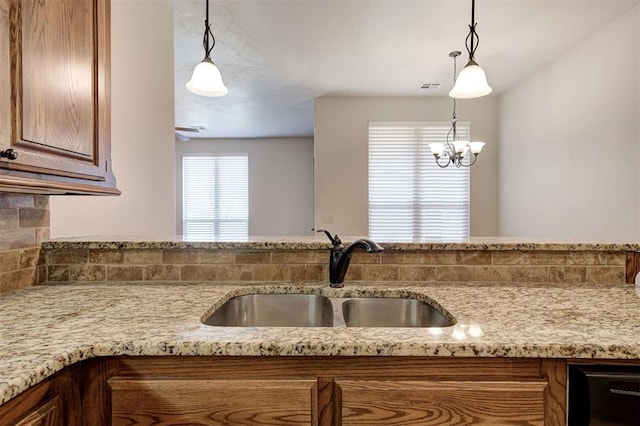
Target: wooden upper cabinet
{"x": 55, "y": 106}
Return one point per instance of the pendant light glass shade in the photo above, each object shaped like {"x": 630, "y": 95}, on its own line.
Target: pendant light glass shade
{"x": 471, "y": 83}
{"x": 206, "y": 80}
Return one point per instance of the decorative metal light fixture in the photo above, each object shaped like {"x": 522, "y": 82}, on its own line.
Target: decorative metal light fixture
{"x": 206, "y": 79}
{"x": 455, "y": 151}
{"x": 472, "y": 81}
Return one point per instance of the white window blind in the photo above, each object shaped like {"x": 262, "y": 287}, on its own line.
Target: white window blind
{"x": 410, "y": 197}
{"x": 215, "y": 197}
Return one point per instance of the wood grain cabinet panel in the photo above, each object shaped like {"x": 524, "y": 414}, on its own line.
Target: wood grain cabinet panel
{"x": 45, "y": 415}
{"x": 213, "y": 402}
{"x": 400, "y": 402}
{"x": 55, "y": 96}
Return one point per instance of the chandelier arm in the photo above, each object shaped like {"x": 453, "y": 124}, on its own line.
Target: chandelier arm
{"x": 446, "y": 164}
{"x": 471, "y": 162}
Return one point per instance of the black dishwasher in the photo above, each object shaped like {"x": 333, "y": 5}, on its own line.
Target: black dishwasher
{"x": 604, "y": 395}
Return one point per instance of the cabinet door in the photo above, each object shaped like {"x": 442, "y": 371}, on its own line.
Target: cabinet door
{"x": 213, "y": 402}
{"x": 384, "y": 402}
{"x": 45, "y": 415}
{"x": 54, "y": 76}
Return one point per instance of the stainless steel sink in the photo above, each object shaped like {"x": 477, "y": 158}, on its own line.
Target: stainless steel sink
{"x": 393, "y": 312}
{"x": 312, "y": 310}
{"x": 274, "y": 310}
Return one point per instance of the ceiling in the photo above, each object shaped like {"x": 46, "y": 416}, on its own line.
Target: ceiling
{"x": 276, "y": 56}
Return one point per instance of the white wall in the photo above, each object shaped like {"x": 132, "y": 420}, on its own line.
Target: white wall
{"x": 341, "y": 156}
{"x": 280, "y": 181}
{"x": 569, "y": 155}
{"x": 142, "y": 135}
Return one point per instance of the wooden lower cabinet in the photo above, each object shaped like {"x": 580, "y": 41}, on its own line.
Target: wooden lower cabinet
{"x": 54, "y": 402}
{"x": 212, "y": 402}
{"x": 385, "y": 402}
{"x": 323, "y": 391}
{"x": 329, "y": 391}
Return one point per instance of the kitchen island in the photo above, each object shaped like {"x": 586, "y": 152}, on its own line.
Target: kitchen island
{"x": 513, "y": 325}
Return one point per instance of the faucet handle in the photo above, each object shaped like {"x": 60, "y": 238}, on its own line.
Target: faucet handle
{"x": 335, "y": 240}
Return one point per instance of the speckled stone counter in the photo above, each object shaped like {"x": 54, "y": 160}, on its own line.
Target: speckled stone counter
{"x": 320, "y": 242}
{"x": 44, "y": 329}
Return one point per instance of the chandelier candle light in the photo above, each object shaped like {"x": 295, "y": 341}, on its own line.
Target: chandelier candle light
{"x": 206, "y": 79}
{"x": 472, "y": 81}
{"x": 454, "y": 151}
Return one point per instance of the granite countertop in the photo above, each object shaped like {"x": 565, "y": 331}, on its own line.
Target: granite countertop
{"x": 43, "y": 329}
{"x": 320, "y": 242}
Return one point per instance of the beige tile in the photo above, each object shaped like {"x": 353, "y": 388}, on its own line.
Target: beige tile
{"x": 464, "y": 257}
{"x": 18, "y": 238}
{"x": 199, "y": 272}
{"x": 183, "y": 257}
{"x": 253, "y": 257}
{"x": 272, "y": 273}
{"x": 18, "y": 279}
{"x": 9, "y": 218}
{"x": 162, "y": 273}
{"x": 87, "y": 272}
{"x": 354, "y": 273}
{"x": 499, "y": 257}
{"x": 42, "y": 274}
{"x": 605, "y": 274}
{"x": 307, "y": 273}
{"x": 58, "y": 273}
{"x": 420, "y": 258}
{"x": 492, "y": 273}
{"x": 567, "y": 274}
{"x": 42, "y": 234}
{"x": 416, "y": 273}
{"x": 9, "y": 260}
{"x": 34, "y": 218}
{"x": 67, "y": 257}
{"x": 142, "y": 256}
{"x": 41, "y": 201}
{"x": 529, "y": 273}
{"x": 300, "y": 256}
{"x": 598, "y": 258}
{"x": 363, "y": 258}
{"x": 216, "y": 273}
{"x": 16, "y": 200}
{"x": 454, "y": 273}
{"x": 29, "y": 257}
{"x": 216, "y": 257}
{"x": 106, "y": 256}
{"x": 380, "y": 273}
{"x": 124, "y": 273}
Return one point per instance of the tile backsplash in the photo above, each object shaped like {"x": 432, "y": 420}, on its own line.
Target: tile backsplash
{"x": 24, "y": 221}
{"x": 304, "y": 265}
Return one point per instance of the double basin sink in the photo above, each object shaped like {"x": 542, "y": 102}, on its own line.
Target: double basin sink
{"x": 313, "y": 310}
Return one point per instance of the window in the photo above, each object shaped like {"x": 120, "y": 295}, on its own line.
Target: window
{"x": 410, "y": 197}
{"x": 215, "y": 197}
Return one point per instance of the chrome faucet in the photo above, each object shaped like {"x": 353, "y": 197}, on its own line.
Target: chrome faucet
{"x": 340, "y": 256}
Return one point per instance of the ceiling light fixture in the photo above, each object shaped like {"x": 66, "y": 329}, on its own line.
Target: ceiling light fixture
{"x": 472, "y": 81}
{"x": 206, "y": 79}
{"x": 454, "y": 151}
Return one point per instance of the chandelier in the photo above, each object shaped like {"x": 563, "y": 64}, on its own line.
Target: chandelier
{"x": 206, "y": 79}
{"x": 472, "y": 81}
{"x": 460, "y": 153}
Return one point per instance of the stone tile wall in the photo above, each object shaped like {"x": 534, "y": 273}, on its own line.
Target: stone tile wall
{"x": 24, "y": 224}
{"x": 95, "y": 265}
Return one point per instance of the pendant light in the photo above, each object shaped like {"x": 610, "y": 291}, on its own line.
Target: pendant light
{"x": 472, "y": 81}
{"x": 206, "y": 79}
{"x": 459, "y": 153}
